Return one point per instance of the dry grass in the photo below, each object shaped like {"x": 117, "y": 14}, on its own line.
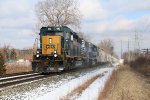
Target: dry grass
{"x": 10, "y": 69}
{"x": 125, "y": 84}
{"x": 108, "y": 85}
{"x": 78, "y": 90}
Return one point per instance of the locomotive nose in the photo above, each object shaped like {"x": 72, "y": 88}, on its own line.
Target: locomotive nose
{"x": 51, "y": 45}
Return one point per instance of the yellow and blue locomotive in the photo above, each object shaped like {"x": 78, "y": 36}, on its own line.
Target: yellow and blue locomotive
{"x": 62, "y": 49}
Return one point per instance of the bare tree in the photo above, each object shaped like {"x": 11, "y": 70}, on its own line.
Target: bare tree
{"x": 13, "y": 54}
{"x": 6, "y": 52}
{"x": 107, "y": 46}
{"x": 58, "y": 13}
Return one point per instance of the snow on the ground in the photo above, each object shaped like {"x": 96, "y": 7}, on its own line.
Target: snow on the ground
{"x": 89, "y": 94}
{"x": 92, "y": 92}
{"x": 31, "y": 91}
{"x": 19, "y": 62}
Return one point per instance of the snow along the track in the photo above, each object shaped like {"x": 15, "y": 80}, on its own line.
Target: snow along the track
{"x": 89, "y": 94}
{"x": 92, "y": 92}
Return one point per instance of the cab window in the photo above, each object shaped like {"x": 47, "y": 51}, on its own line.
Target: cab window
{"x": 67, "y": 35}
{"x": 59, "y": 33}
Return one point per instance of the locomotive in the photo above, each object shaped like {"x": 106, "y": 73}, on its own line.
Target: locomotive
{"x": 62, "y": 49}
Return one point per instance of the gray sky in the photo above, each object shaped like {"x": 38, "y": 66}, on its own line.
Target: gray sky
{"x": 102, "y": 19}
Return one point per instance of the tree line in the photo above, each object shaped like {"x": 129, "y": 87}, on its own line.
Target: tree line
{"x": 10, "y": 55}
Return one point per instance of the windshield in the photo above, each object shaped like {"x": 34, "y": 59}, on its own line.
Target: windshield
{"x": 54, "y": 33}
{"x": 59, "y": 33}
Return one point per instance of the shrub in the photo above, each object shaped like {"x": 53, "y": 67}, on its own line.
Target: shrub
{"x": 13, "y": 54}
{"x": 141, "y": 64}
{"x": 2, "y": 64}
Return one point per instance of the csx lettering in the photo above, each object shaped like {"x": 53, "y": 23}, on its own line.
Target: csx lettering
{"x": 50, "y": 46}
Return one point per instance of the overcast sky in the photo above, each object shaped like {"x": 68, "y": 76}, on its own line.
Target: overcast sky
{"x": 102, "y": 19}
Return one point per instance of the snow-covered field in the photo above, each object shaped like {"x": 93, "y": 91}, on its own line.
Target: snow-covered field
{"x": 90, "y": 93}
{"x": 58, "y": 86}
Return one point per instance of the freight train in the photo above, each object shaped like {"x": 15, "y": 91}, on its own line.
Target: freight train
{"x": 62, "y": 49}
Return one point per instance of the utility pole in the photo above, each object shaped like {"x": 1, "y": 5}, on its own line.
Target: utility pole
{"x": 136, "y": 43}
{"x": 128, "y": 51}
{"x": 121, "y": 49}
{"x": 128, "y": 45}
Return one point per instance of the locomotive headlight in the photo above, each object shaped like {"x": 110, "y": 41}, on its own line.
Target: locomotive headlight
{"x": 37, "y": 55}
{"x": 37, "y": 52}
{"x": 55, "y": 51}
{"x": 55, "y": 55}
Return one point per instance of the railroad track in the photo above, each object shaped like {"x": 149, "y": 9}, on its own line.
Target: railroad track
{"x": 23, "y": 78}
{"x": 18, "y": 79}
{"x": 15, "y": 80}
{"x": 28, "y": 77}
